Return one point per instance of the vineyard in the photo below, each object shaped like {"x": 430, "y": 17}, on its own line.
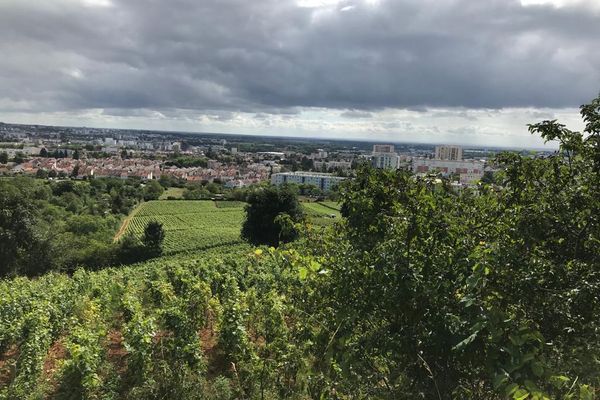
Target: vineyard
{"x": 191, "y": 225}
{"x": 172, "y": 328}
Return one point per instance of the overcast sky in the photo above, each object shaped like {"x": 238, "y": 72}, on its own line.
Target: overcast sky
{"x": 453, "y": 71}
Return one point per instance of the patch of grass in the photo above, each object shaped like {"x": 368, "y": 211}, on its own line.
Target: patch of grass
{"x": 172, "y": 193}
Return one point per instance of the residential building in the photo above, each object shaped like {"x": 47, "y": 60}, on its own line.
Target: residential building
{"x": 384, "y": 156}
{"x": 319, "y": 165}
{"x": 319, "y": 155}
{"x": 323, "y": 181}
{"x": 448, "y": 152}
{"x": 469, "y": 171}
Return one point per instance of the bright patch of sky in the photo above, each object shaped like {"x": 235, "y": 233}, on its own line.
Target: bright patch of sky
{"x": 593, "y": 4}
{"x": 502, "y": 127}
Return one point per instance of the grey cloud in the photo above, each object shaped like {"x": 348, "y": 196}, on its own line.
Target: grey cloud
{"x": 464, "y": 114}
{"x": 391, "y": 125}
{"x": 272, "y": 56}
{"x": 539, "y": 115}
{"x": 356, "y": 114}
{"x": 221, "y": 116}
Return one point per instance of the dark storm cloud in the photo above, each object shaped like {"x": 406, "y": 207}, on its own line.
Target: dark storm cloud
{"x": 270, "y": 56}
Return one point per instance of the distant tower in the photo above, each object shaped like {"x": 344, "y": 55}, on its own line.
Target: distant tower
{"x": 383, "y": 148}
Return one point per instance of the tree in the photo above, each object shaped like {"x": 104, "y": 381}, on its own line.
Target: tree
{"x": 130, "y": 250}
{"x": 3, "y": 157}
{"x": 265, "y": 221}
{"x": 23, "y": 249}
{"x": 287, "y": 228}
{"x": 154, "y": 236}
{"x": 306, "y": 164}
{"x": 41, "y": 173}
{"x": 196, "y": 193}
{"x": 153, "y": 190}
{"x": 214, "y": 188}
{"x": 488, "y": 177}
{"x": 43, "y": 152}
{"x": 19, "y": 158}
{"x": 75, "y": 171}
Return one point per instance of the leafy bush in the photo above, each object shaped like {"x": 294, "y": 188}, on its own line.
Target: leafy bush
{"x": 270, "y": 215}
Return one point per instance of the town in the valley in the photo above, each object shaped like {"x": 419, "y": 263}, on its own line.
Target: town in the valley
{"x": 233, "y": 161}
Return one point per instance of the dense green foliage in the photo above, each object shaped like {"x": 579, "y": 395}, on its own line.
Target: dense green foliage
{"x": 270, "y": 216}
{"x": 437, "y": 295}
{"x": 153, "y": 190}
{"x": 153, "y": 238}
{"x": 48, "y": 225}
{"x": 210, "y": 190}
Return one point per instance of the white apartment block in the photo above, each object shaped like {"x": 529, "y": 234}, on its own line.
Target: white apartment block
{"x": 323, "y": 181}
{"x": 469, "y": 171}
{"x": 385, "y": 160}
{"x": 384, "y": 156}
{"x": 447, "y": 152}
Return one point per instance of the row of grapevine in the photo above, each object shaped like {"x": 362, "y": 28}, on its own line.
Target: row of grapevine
{"x": 32, "y": 316}
{"x": 153, "y": 208}
{"x": 190, "y": 225}
{"x": 230, "y": 204}
{"x": 159, "y": 310}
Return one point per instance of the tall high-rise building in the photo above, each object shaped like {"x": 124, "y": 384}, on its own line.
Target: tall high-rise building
{"x": 448, "y": 152}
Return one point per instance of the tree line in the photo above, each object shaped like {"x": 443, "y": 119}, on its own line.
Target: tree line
{"x": 59, "y": 225}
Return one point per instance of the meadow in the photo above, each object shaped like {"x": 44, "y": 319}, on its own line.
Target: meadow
{"x": 172, "y": 193}
{"x": 322, "y": 213}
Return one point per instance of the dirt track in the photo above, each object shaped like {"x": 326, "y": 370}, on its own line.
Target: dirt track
{"x": 125, "y": 223}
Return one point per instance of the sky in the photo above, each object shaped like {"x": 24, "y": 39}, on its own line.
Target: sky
{"x": 430, "y": 71}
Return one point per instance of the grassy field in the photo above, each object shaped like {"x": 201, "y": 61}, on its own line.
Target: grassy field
{"x": 190, "y": 225}
{"x": 322, "y": 213}
{"x": 172, "y": 193}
